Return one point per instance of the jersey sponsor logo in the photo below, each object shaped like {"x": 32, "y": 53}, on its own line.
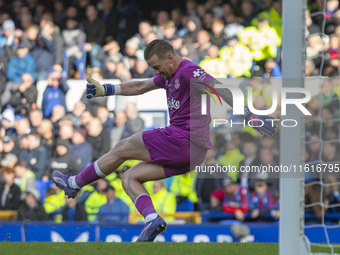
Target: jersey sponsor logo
{"x": 173, "y": 104}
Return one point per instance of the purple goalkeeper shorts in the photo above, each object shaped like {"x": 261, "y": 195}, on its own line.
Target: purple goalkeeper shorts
{"x": 171, "y": 149}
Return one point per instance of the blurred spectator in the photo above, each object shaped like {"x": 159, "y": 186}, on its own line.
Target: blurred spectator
{"x": 232, "y": 27}
{"x": 206, "y": 183}
{"x": 312, "y": 196}
{"x": 23, "y": 100}
{"x": 9, "y": 145}
{"x": 109, "y": 16}
{"x": 53, "y": 202}
{"x": 329, "y": 98}
{"x": 193, "y": 27}
{"x": 332, "y": 194}
{"x": 32, "y": 209}
{"x": 74, "y": 41}
{"x": 182, "y": 187}
{"x": 98, "y": 137}
{"x": 9, "y": 192}
{"x": 163, "y": 200}
{"x": 315, "y": 50}
{"x": 115, "y": 210}
{"x": 24, "y": 177}
{"x": 328, "y": 127}
{"x": 35, "y": 156}
{"x": 80, "y": 148}
{"x": 22, "y": 125}
{"x": 169, "y": 31}
{"x": 142, "y": 70}
{"x": 42, "y": 49}
{"x": 132, "y": 53}
{"x": 245, "y": 178}
{"x": 94, "y": 29}
{"x": 109, "y": 56}
{"x": 78, "y": 109}
{"x": 237, "y": 58}
{"x": 208, "y": 21}
{"x": 262, "y": 40}
{"x": 63, "y": 160}
{"x": 17, "y": 66}
{"x": 47, "y": 136}
{"x": 217, "y": 36}
{"x": 8, "y": 41}
{"x": 58, "y": 113}
{"x": 21, "y": 63}
{"x": 213, "y": 64}
{"x": 231, "y": 157}
{"x": 65, "y": 130}
{"x": 271, "y": 69}
{"x": 272, "y": 13}
{"x": 311, "y": 28}
{"x": 122, "y": 73}
{"x": 267, "y": 159}
{"x": 8, "y": 44}
{"x": 314, "y": 148}
{"x": 52, "y": 31}
{"x": 127, "y": 23}
{"x": 95, "y": 200}
{"x": 7, "y": 122}
{"x": 59, "y": 13}
{"x": 330, "y": 153}
{"x": 35, "y": 118}
{"x": 134, "y": 123}
{"x": 231, "y": 199}
{"x": 9, "y": 160}
{"x": 119, "y": 128}
{"x": 105, "y": 117}
{"x": 202, "y": 45}
{"x": 54, "y": 93}
{"x": 248, "y": 13}
{"x": 144, "y": 29}
{"x": 73, "y": 211}
{"x": 86, "y": 118}
{"x": 263, "y": 204}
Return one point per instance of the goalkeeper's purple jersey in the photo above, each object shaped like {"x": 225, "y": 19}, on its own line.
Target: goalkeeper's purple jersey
{"x": 184, "y": 116}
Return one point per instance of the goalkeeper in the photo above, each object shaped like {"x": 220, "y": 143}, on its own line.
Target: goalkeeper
{"x": 164, "y": 152}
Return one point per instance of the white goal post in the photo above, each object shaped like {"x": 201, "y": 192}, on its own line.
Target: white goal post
{"x": 291, "y": 230}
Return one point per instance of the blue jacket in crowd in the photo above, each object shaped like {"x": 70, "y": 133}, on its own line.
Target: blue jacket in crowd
{"x": 18, "y": 66}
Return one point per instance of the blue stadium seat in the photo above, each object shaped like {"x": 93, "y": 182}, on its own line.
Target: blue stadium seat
{"x": 42, "y": 186}
{"x": 79, "y": 63}
{"x": 186, "y": 206}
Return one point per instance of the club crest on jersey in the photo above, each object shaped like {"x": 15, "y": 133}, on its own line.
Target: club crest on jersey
{"x": 177, "y": 84}
{"x": 200, "y": 73}
{"x": 173, "y": 104}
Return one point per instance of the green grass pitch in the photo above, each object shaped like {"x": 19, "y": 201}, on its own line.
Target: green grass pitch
{"x": 35, "y": 248}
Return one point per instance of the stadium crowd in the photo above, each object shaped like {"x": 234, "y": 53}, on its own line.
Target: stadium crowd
{"x": 49, "y": 40}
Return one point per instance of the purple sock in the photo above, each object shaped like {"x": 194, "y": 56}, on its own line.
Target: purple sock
{"x": 144, "y": 205}
{"x": 88, "y": 175}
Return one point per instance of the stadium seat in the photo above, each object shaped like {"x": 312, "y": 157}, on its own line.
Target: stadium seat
{"x": 42, "y": 186}
{"x": 79, "y": 63}
{"x": 186, "y": 206}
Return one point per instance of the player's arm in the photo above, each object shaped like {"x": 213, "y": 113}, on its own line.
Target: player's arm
{"x": 256, "y": 120}
{"x": 130, "y": 88}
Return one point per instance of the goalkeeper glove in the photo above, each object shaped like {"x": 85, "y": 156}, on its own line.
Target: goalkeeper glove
{"x": 261, "y": 123}
{"x": 95, "y": 89}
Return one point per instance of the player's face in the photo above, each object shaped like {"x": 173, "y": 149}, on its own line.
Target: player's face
{"x": 161, "y": 66}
